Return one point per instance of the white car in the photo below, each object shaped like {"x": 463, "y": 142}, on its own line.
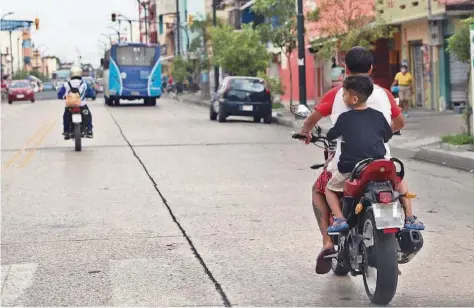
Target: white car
{"x": 34, "y": 86}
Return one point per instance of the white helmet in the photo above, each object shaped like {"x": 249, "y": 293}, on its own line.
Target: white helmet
{"x": 76, "y": 71}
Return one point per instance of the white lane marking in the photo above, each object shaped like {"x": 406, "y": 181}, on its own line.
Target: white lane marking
{"x": 16, "y": 279}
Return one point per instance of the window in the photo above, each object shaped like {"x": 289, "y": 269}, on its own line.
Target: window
{"x": 136, "y": 56}
{"x": 248, "y": 85}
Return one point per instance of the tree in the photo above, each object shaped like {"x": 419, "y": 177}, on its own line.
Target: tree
{"x": 239, "y": 52}
{"x": 343, "y": 24}
{"x": 284, "y": 34}
{"x": 179, "y": 69}
{"x": 459, "y": 44}
{"x": 276, "y": 87}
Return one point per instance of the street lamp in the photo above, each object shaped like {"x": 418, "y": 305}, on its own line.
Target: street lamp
{"x": 11, "y": 44}
{"x": 301, "y": 54}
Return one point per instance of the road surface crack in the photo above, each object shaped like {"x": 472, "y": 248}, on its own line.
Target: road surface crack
{"x": 209, "y": 274}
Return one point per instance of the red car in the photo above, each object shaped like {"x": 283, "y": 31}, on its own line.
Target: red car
{"x": 20, "y": 90}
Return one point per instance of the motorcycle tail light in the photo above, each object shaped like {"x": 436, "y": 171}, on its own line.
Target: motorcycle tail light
{"x": 76, "y": 109}
{"x": 390, "y": 230}
{"x": 385, "y": 197}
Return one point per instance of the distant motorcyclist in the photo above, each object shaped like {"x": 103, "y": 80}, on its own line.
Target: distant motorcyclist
{"x": 84, "y": 90}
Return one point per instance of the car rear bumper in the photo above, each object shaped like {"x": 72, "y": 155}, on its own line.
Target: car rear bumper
{"x": 243, "y": 108}
{"x": 15, "y": 98}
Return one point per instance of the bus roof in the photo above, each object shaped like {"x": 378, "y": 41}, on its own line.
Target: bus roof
{"x": 136, "y": 44}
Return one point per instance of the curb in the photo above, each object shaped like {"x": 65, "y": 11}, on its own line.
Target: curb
{"x": 423, "y": 154}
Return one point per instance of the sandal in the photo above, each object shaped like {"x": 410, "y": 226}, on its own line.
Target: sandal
{"x": 339, "y": 225}
{"x": 412, "y": 223}
{"x": 323, "y": 264}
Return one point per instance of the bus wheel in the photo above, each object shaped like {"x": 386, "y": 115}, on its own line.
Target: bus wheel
{"x": 152, "y": 101}
{"x": 116, "y": 102}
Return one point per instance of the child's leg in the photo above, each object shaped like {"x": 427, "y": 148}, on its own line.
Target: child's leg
{"x": 334, "y": 187}
{"x": 411, "y": 221}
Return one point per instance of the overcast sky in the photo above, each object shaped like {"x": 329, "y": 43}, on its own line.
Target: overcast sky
{"x": 66, "y": 25}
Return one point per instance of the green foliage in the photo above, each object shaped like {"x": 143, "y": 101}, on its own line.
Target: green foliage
{"x": 459, "y": 44}
{"x": 344, "y": 24}
{"x": 241, "y": 52}
{"x": 24, "y": 75}
{"x": 276, "y": 87}
{"x": 459, "y": 139}
{"x": 179, "y": 69}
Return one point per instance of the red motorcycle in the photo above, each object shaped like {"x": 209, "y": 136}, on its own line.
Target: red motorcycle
{"x": 376, "y": 241}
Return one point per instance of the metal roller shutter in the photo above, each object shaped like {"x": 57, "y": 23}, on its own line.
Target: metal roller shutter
{"x": 458, "y": 79}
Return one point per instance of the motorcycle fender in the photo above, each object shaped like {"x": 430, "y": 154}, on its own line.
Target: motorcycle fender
{"x": 388, "y": 215}
{"x": 76, "y": 118}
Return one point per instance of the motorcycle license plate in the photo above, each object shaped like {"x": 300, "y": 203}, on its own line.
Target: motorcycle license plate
{"x": 76, "y": 118}
{"x": 388, "y": 215}
{"x": 20, "y": 96}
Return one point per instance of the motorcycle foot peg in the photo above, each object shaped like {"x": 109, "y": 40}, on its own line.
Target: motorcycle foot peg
{"x": 331, "y": 256}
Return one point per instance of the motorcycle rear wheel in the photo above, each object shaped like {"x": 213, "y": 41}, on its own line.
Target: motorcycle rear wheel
{"x": 77, "y": 137}
{"x": 381, "y": 250}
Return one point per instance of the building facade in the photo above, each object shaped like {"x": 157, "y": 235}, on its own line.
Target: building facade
{"x": 439, "y": 78}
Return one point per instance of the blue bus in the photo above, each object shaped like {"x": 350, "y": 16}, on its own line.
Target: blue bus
{"x": 132, "y": 71}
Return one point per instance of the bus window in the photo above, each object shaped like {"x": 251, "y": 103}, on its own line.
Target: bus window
{"x": 107, "y": 60}
{"x": 135, "y": 56}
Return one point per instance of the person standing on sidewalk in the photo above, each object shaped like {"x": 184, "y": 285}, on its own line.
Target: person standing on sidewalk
{"x": 404, "y": 80}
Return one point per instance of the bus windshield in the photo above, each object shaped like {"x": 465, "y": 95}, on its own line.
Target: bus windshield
{"x": 136, "y": 56}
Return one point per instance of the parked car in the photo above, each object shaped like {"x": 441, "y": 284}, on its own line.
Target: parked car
{"x": 48, "y": 86}
{"x": 337, "y": 76}
{"x": 242, "y": 96}
{"x": 92, "y": 83}
{"x": 20, "y": 90}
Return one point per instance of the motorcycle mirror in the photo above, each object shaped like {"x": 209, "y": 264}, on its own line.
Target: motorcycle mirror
{"x": 300, "y": 110}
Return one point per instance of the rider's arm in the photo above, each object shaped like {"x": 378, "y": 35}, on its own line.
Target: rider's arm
{"x": 323, "y": 109}
{"x": 398, "y": 121}
{"x": 336, "y": 130}
{"x": 61, "y": 92}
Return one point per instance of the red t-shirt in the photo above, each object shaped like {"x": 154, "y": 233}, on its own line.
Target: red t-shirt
{"x": 327, "y": 101}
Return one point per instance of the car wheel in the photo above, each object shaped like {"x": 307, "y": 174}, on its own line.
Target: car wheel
{"x": 256, "y": 119}
{"x": 212, "y": 113}
{"x": 268, "y": 118}
{"x": 221, "y": 115}
{"x": 33, "y": 100}
{"x": 94, "y": 98}
{"x": 10, "y": 101}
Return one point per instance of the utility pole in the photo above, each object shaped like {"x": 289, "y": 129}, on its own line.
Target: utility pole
{"x": 178, "y": 22}
{"x": 146, "y": 22}
{"x": 214, "y": 22}
{"x": 11, "y": 53}
{"x": 301, "y": 54}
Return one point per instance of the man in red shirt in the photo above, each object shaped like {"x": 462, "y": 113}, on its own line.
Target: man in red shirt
{"x": 359, "y": 61}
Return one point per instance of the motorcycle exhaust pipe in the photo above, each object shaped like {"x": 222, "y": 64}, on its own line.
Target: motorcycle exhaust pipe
{"x": 410, "y": 243}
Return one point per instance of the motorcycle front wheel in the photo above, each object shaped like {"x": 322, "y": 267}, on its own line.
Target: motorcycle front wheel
{"x": 77, "y": 136}
{"x": 379, "y": 255}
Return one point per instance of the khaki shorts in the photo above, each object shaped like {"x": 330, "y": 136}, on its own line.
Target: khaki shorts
{"x": 404, "y": 93}
{"x": 336, "y": 183}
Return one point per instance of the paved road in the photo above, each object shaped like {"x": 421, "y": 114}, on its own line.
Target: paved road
{"x": 165, "y": 208}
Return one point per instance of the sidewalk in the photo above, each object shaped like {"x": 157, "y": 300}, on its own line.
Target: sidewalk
{"x": 420, "y": 137}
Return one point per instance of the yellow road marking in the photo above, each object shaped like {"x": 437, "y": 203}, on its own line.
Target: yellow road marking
{"x": 35, "y": 146}
{"x": 9, "y": 163}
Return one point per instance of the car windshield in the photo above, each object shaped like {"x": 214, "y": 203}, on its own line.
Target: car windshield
{"x": 248, "y": 85}
{"x": 20, "y": 84}
{"x": 136, "y": 56}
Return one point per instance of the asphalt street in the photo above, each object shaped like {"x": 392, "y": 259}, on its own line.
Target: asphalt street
{"x": 166, "y": 208}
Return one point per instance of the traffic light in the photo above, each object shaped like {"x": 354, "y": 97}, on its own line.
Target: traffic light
{"x": 160, "y": 23}
{"x": 114, "y": 17}
{"x": 190, "y": 20}
{"x": 37, "y": 23}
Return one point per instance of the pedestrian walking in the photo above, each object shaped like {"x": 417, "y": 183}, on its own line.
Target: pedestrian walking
{"x": 404, "y": 81}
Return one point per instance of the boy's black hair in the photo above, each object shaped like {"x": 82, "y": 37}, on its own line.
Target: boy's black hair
{"x": 361, "y": 86}
{"x": 359, "y": 60}
{"x": 404, "y": 66}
